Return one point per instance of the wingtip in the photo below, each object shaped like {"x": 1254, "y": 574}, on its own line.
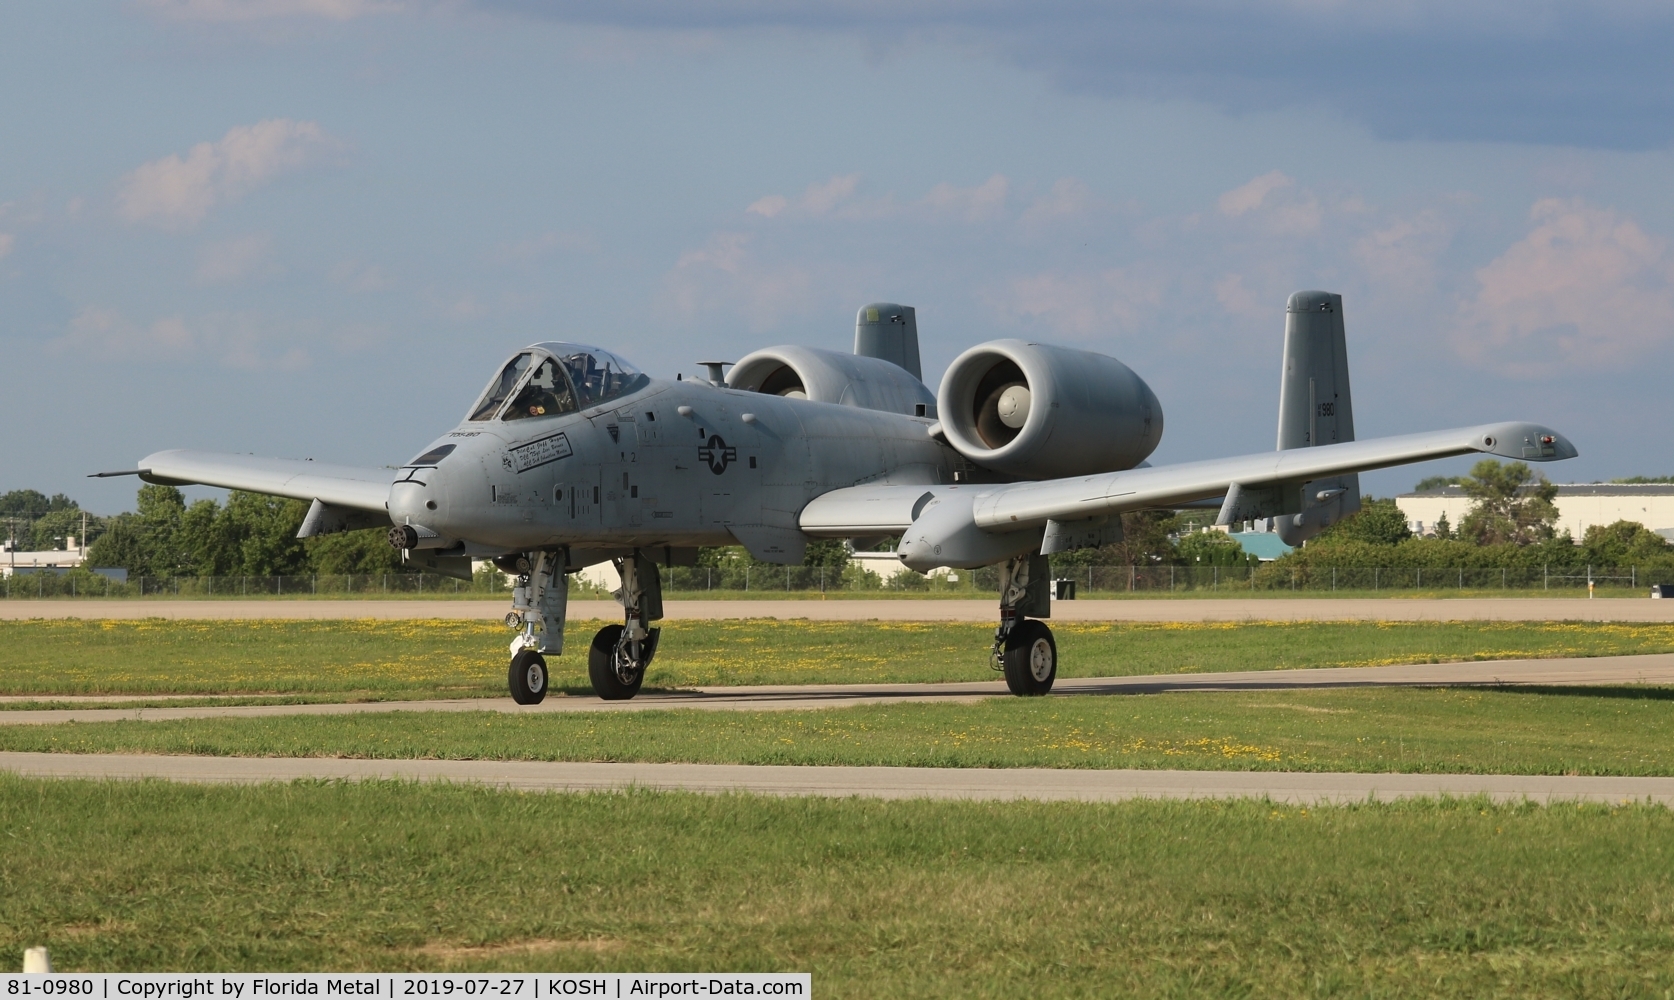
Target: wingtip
{"x": 1524, "y": 442}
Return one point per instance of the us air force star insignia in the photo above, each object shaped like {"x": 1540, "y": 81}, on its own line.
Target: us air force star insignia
{"x": 717, "y": 453}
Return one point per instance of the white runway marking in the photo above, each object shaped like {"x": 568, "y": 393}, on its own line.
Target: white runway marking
{"x": 1039, "y": 784}
{"x": 1651, "y": 668}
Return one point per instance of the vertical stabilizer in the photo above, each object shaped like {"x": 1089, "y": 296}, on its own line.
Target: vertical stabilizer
{"x": 1314, "y": 405}
{"x": 1315, "y": 409}
{"x": 889, "y": 331}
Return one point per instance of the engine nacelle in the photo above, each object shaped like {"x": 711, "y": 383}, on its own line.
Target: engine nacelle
{"x": 832, "y": 377}
{"x": 1042, "y": 412}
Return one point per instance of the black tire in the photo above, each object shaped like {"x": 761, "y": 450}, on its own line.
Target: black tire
{"x": 601, "y": 667}
{"x": 527, "y": 677}
{"x": 1031, "y": 658}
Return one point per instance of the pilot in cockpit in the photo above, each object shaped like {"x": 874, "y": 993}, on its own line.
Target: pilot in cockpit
{"x": 547, "y": 393}
{"x": 566, "y": 378}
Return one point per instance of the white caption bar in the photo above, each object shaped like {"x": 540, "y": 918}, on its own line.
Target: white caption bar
{"x": 403, "y": 986}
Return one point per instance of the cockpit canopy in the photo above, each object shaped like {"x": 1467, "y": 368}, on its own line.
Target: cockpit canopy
{"x": 551, "y": 379}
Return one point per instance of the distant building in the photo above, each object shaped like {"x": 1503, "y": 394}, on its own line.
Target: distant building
{"x": 886, "y": 564}
{"x": 1580, "y": 506}
{"x": 1266, "y": 546}
{"x": 54, "y": 560}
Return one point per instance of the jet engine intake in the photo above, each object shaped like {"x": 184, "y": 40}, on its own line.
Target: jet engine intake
{"x": 1040, "y": 412}
{"x": 832, "y": 377}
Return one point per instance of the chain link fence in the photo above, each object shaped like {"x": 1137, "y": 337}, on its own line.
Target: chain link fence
{"x": 88, "y": 584}
{"x": 767, "y": 579}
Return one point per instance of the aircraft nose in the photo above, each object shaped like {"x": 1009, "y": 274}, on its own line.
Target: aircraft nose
{"x": 419, "y": 496}
{"x": 915, "y": 553}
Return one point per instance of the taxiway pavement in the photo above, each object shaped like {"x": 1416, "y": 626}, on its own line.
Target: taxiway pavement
{"x": 899, "y": 609}
{"x": 1652, "y": 668}
{"x": 1039, "y": 784}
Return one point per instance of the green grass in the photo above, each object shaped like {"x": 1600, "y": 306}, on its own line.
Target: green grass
{"x": 1463, "y": 730}
{"x": 440, "y": 658}
{"x": 887, "y": 899}
{"x": 1228, "y": 591}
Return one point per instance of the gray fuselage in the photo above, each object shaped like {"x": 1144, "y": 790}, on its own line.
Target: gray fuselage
{"x": 676, "y": 463}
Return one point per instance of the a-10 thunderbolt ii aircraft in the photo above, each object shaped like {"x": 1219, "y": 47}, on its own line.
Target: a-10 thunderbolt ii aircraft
{"x": 572, "y": 456}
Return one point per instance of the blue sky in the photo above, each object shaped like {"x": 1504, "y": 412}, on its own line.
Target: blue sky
{"x": 313, "y": 228}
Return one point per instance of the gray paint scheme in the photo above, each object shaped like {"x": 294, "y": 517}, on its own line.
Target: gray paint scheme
{"x": 890, "y": 332}
{"x": 678, "y": 464}
{"x": 1314, "y": 403}
{"x": 1315, "y": 408}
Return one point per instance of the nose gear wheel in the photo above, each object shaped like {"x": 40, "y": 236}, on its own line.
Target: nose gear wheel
{"x": 527, "y": 677}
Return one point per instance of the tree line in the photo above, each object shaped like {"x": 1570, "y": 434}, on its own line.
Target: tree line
{"x": 1511, "y": 524}
{"x": 249, "y": 535}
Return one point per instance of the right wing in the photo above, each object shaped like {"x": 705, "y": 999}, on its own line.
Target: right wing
{"x": 336, "y": 485}
{"x": 1027, "y": 505}
{"x": 976, "y": 525}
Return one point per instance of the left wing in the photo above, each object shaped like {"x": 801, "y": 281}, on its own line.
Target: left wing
{"x": 335, "y": 485}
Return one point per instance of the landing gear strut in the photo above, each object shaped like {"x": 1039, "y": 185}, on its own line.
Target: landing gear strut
{"x": 539, "y": 603}
{"x": 1024, "y": 649}
{"x": 621, "y": 653}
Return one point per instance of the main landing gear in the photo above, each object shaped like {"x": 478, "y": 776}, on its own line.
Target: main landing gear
{"x": 619, "y": 655}
{"x": 1024, "y": 649}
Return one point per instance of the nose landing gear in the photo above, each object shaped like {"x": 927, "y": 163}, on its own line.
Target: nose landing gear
{"x": 539, "y": 603}
{"x": 527, "y": 677}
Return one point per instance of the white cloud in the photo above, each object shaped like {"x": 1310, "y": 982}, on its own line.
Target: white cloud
{"x": 1069, "y": 198}
{"x": 1273, "y": 204}
{"x": 235, "y": 340}
{"x": 7, "y": 242}
{"x": 1083, "y": 305}
{"x": 973, "y": 204}
{"x": 1238, "y": 300}
{"x": 724, "y": 276}
{"x": 542, "y": 244}
{"x": 228, "y": 261}
{"x": 837, "y": 198}
{"x": 1402, "y": 255}
{"x": 1248, "y": 197}
{"x": 1586, "y": 289}
{"x": 263, "y": 10}
{"x": 769, "y": 206}
{"x": 177, "y": 192}
{"x": 464, "y": 307}
{"x": 819, "y": 199}
{"x": 359, "y": 277}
